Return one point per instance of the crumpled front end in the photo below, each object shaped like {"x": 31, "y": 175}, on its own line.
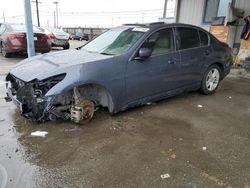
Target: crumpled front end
{"x": 30, "y": 97}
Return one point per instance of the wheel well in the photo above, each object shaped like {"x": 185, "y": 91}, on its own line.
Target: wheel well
{"x": 221, "y": 68}
{"x": 98, "y": 94}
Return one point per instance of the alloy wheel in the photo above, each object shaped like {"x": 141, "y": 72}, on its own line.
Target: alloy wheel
{"x": 213, "y": 78}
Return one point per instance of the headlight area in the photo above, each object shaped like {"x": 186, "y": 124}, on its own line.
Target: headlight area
{"x": 30, "y": 96}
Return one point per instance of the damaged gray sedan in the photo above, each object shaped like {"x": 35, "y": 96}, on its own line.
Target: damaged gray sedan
{"x": 124, "y": 67}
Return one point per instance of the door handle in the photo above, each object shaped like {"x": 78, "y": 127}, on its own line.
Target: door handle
{"x": 206, "y": 53}
{"x": 172, "y": 61}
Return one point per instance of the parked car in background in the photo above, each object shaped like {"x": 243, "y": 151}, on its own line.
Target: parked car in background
{"x": 80, "y": 36}
{"x": 13, "y": 39}
{"x": 58, "y": 37}
{"x": 124, "y": 67}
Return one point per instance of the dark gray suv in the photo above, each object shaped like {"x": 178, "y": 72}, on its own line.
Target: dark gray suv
{"x": 124, "y": 67}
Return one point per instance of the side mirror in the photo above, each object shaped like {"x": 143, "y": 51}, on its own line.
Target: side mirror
{"x": 144, "y": 53}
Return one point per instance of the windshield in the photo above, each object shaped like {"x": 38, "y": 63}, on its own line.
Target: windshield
{"x": 114, "y": 42}
{"x": 20, "y": 27}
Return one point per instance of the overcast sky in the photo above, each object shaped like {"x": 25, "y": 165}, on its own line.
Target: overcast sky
{"x": 101, "y": 13}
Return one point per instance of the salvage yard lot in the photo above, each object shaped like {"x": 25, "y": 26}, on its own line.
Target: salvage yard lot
{"x": 200, "y": 141}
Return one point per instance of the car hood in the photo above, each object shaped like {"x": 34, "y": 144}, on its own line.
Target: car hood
{"x": 46, "y": 65}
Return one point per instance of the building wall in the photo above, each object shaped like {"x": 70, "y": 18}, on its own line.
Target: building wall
{"x": 244, "y": 5}
{"x": 191, "y": 12}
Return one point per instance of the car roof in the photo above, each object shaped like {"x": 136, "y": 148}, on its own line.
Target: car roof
{"x": 155, "y": 25}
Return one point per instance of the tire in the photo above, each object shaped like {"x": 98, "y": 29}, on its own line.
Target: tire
{"x": 211, "y": 80}
{"x": 66, "y": 46}
{"x": 3, "y": 51}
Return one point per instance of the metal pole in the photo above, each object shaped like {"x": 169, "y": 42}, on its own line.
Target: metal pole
{"x": 165, "y": 8}
{"x": 37, "y": 14}
{"x": 3, "y": 17}
{"x": 57, "y": 15}
{"x": 56, "y": 3}
{"x": 29, "y": 28}
{"x": 54, "y": 19}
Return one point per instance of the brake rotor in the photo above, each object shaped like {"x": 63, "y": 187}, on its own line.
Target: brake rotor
{"x": 88, "y": 108}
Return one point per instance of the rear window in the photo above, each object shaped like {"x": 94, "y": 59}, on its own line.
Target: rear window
{"x": 20, "y": 27}
{"x": 189, "y": 38}
{"x": 203, "y": 38}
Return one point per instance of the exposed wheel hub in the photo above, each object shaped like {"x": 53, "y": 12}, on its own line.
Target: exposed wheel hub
{"x": 83, "y": 112}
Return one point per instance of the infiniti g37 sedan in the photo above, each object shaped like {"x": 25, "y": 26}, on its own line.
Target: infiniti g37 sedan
{"x": 124, "y": 67}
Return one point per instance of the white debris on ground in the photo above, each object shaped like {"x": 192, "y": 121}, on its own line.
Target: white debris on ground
{"x": 164, "y": 176}
{"x": 39, "y": 133}
{"x": 204, "y": 148}
{"x": 230, "y": 97}
{"x": 199, "y": 106}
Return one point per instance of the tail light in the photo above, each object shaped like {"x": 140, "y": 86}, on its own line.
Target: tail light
{"x": 17, "y": 36}
{"x": 229, "y": 50}
{"x": 51, "y": 36}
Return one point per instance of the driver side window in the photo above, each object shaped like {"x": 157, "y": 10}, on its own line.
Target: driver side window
{"x": 160, "y": 42}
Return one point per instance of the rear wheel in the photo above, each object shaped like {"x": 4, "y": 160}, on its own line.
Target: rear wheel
{"x": 3, "y": 50}
{"x": 211, "y": 80}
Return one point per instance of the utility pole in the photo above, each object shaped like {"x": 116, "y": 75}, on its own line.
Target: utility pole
{"x": 55, "y": 19}
{"x": 56, "y": 3}
{"x": 37, "y": 12}
{"x": 3, "y": 17}
{"x": 165, "y": 8}
{"x": 29, "y": 28}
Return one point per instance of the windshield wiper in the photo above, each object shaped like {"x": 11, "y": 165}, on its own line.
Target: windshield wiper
{"x": 104, "y": 53}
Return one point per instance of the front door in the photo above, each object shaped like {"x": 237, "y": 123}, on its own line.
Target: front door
{"x": 156, "y": 74}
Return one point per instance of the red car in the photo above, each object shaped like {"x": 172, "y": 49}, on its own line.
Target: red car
{"x": 13, "y": 39}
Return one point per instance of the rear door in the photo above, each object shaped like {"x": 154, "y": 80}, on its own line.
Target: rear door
{"x": 195, "y": 51}
{"x": 159, "y": 72}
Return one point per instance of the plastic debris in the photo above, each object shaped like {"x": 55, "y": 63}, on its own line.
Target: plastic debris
{"x": 72, "y": 129}
{"x": 149, "y": 103}
{"x": 199, "y": 106}
{"x": 230, "y": 97}
{"x": 2, "y": 119}
{"x": 164, "y": 176}
{"x": 204, "y": 148}
{"x": 39, "y": 133}
{"x": 173, "y": 156}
